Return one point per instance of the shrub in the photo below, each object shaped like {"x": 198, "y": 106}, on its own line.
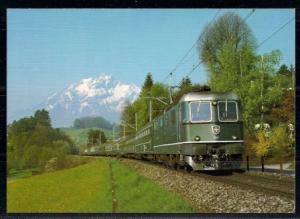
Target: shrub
{"x": 51, "y": 165}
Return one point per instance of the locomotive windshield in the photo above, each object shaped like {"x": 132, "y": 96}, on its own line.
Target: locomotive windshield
{"x": 227, "y": 111}
{"x": 200, "y": 111}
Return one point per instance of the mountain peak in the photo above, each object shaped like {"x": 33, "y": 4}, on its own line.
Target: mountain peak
{"x": 101, "y": 96}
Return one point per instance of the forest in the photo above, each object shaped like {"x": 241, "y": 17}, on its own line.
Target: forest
{"x": 33, "y": 143}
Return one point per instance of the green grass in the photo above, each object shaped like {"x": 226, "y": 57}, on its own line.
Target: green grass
{"x": 136, "y": 194}
{"x": 87, "y": 188}
{"x": 82, "y": 189}
{"x": 17, "y": 174}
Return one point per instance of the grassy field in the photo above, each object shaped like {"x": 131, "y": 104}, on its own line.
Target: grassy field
{"x": 81, "y": 189}
{"x": 79, "y": 136}
{"x": 87, "y": 188}
{"x": 137, "y": 194}
{"x": 17, "y": 174}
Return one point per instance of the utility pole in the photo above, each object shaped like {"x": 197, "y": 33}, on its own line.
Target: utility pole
{"x": 293, "y": 77}
{"x": 241, "y": 67}
{"x": 113, "y": 133}
{"x": 170, "y": 88}
{"x": 135, "y": 117}
{"x": 150, "y": 110}
{"x": 261, "y": 91}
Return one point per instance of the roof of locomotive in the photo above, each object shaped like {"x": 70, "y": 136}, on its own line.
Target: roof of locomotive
{"x": 194, "y": 96}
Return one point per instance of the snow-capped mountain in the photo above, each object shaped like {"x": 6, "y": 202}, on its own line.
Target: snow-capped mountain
{"x": 102, "y": 96}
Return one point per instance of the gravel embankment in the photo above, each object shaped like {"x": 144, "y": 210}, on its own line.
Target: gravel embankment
{"x": 211, "y": 195}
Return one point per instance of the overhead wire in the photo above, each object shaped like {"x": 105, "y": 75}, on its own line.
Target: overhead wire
{"x": 200, "y": 62}
{"x": 260, "y": 44}
{"x": 186, "y": 54}
{"x": 275, "y": 32}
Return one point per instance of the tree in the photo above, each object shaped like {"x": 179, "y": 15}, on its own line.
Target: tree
{"x": 32, "y": 141}
{"x": 227, "y": 48}
{"x": 284, "y": 77}
{"x": 284, "y": 113}
{"x": 96, "y": 137}
{"x": 42, "y": 118}
{"x": 281, "y": 143}
{"x": 148, "y": 82}
{"x": 186, "y": 86}
{"x": 127, "y": 119}
{"x": 185, "y": 82}
{"x": 92, "y": 122}
{"x": 262, "y": 146}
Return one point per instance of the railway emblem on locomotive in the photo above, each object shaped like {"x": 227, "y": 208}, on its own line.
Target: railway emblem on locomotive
{"x": 215, "y": 129}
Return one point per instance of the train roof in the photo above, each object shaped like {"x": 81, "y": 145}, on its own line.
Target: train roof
{"x": 193, "y": 96}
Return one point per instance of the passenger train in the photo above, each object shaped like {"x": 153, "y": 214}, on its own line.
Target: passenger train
{"x": 202, "y": 131}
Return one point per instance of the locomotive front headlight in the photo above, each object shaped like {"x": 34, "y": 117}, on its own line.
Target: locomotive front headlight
{"x": 197, "y": 138}
{"x": 234, "y": 137}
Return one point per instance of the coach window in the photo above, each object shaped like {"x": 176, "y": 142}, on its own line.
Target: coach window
{"x": 183, "y": 113}
{"x": 200, "y": 111}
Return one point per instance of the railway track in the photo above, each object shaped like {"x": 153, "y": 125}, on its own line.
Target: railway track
{"x": 270, "y": 185}
{"x": 267, "y": 184}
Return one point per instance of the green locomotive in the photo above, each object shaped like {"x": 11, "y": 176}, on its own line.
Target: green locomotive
{"x": 203, "y": 131}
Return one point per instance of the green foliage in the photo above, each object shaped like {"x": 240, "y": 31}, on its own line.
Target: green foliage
{"x": 80, "y": 137}
{"x": 127, "y": 119}
{"x": 227, "y": 48}
{"x": 148, "y": 82}
{"x": 140, "y": 107}
{"x": 223, "y": 42}
{"x": 262, "y": 146}
{"x": 186, "y": 86}
{"x": 92, "y": 122}
{"x": 42, "y": 118}
{"x": 280, "y": 142}
{"x": 285, "y": 76}
{"x": 32, "y": 142}
{"x": 95, "y": 137}
{"x": 285, "y": 111}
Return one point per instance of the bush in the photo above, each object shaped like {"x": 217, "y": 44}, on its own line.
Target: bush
{"x": 51, "y": 165}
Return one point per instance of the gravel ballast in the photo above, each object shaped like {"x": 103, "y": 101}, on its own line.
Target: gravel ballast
{"x": 210, "y": 196}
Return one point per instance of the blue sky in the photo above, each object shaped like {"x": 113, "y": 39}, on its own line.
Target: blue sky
{"x": 49, "y": 49}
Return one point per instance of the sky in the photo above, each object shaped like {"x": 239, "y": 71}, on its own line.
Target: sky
{"x": 49, "y": 49}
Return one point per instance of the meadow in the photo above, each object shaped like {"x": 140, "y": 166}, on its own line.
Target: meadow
{"x": 88, "y": 189}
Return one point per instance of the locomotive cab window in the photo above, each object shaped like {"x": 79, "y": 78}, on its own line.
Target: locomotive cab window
{"x": 227, "y": 111}
{"x": 200, "y": 111}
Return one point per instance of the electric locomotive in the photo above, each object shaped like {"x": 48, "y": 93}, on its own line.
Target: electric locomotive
{"x": 203, "y": 131}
